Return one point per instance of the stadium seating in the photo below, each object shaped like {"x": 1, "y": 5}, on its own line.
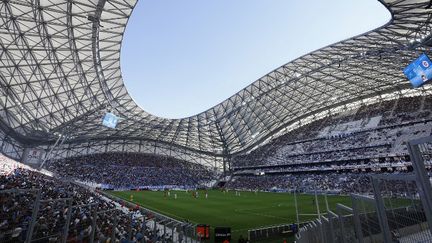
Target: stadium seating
{"x": 371, "y": 139}
{"x": 329, "y": 182}
{"x": 18, "y": 191}
{"x": 131, "y": 170}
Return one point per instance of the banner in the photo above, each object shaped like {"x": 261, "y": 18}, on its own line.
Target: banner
{"x": 32, "y": 156}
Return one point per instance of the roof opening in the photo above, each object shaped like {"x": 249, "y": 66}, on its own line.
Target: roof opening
{"x": 183, "y": 57}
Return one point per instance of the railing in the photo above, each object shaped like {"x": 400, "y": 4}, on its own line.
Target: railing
{"x": 31, "y": 218}
{"x": 399, "y": 210}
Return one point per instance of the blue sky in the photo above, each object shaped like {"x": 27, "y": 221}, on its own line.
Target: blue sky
{"x": 180, "y": 58}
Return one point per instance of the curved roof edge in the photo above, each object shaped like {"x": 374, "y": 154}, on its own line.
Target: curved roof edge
{"x": 61, "y": 72}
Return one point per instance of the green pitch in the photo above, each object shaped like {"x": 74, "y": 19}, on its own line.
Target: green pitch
{"x": 247, "y": 211}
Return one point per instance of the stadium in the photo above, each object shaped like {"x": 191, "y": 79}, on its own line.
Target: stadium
{"x": 334, "y": 146}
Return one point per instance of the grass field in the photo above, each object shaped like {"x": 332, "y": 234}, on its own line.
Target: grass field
{"x": 247, "y": 211}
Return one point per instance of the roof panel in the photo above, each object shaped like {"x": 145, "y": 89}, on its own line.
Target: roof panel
{"x": 63, "y": 62}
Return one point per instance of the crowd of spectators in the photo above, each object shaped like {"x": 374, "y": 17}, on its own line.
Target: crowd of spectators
{"x": 306, "y": 160}
{"x": 366, "y": 165}
{"x": 131, "y": 170}
{"x": 385, "y": 139}
{"x": 338, "y": 183}
{"x": 59, "y": 200}
{"x": 302, "y": 182}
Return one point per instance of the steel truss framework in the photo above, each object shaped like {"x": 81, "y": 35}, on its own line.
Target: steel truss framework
{"x": 60, "y": 72}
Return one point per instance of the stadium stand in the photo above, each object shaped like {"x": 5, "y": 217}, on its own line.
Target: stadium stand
{"x": 309, "y": 144}
{"x": 132, "y": 170}
{"x": 330, "y": 183}
{"x": 337, "y": 154}
{"x": 20, "y": 186}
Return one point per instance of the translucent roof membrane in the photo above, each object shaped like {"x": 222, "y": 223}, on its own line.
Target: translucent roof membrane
{"x": 60, "y": 73}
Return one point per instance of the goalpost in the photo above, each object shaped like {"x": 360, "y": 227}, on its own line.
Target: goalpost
{"x": 318, "y": 213}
